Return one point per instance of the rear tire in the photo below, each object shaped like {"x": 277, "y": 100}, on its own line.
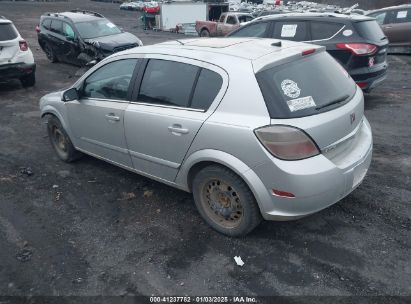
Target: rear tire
{"x": 28, "y": 80}
{"x": 225, "y": 201}
{"x": 60, "y": 141}
{"x": 204, "y": 33}
{"x": 50, "y": 53}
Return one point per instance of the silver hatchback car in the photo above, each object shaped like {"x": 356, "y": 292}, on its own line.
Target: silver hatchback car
{"x": 255, "y": 128}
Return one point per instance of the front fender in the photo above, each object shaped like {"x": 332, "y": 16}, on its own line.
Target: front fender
{"x": 51, "y": 110}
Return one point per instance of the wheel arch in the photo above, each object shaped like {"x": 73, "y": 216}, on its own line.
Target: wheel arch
{"x": 201, "y": 159}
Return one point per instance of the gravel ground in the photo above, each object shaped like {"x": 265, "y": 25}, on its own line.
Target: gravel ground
{"x": 90, "y": 228}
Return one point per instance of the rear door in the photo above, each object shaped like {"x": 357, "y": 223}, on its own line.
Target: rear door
{"x": 56, "y": 37}
{"x": 175, "y": 96}
{"x": 397, "y": 26}
{"x": 9, "y": 44}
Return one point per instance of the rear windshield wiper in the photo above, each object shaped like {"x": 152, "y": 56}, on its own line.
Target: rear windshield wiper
{"x": 338, "y": 100}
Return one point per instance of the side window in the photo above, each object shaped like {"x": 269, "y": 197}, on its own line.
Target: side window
{"x": 324, "y": 30}
{"x": 56, "y": 26}
{"x": 168, "y": 82}
{"x": 244, "y": 18}
{"x": 46, "y": 23}
{"x": 110, "y": 81}
{"x": 231, "y": 20}
{"x": 68, "y": 31}
{"x": 208, "y": 85}
{"x": 222, "y": 18}
{"x": 252, "y": 30}
{"x": 380, "y": 17}
{"x": 401, "y": 16}
{"x": 292, "y": 30}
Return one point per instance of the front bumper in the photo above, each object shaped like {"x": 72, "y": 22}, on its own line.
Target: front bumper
{"x": 316, "y": 182}
{"x": 16, "y": 70}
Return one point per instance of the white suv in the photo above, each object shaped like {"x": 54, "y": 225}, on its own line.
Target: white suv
{"x": 16, "y": 59}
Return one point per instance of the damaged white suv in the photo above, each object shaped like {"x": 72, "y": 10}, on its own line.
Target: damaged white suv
{"x": 16, "y": 58}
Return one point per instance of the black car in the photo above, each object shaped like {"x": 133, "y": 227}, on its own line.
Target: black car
{"x": 356, "y": 41}
{"x": 79, "y": 37}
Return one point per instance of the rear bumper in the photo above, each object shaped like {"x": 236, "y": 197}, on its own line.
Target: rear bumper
{"x": 316, "y": 182}
{"x": 16, "y": 70}
{"x": 369, "y": 78}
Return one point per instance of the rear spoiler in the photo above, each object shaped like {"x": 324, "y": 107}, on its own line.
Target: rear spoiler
{"x": 285, "y": 55}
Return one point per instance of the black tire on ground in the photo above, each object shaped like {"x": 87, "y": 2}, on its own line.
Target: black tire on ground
{"x": 60, "y": 141}
{"x": 225, "y": 201}
{"x": 204, "y": 33}
{"x": 28, "y": 80}
{"x": 50, "y": 53}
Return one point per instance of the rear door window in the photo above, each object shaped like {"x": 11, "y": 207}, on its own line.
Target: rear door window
{"x": 208, "y": 85}
{"x": 291, "y": 91}
{"x": 291, "y": 30}
{"x": 7, "y": 32}
{"x": 401, "y": 16}
{"x": 253, "y": 30}
{"x": 324, "y": 30}
{"x": 168, "y": 83}
{"x": 231, "y": 20}
{"x": 56, "y": 27}
{"x": 370, "y": 30}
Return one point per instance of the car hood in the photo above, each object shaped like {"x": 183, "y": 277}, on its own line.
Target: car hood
{"x": 112, "y": 41}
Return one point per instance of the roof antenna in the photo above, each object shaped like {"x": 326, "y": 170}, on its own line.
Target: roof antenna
{"x": 180, "y": 42}
{"x": 277, "y": 43}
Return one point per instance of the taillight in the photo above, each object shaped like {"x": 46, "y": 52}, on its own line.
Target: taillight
{"x": 287, "y": 143}
{"x": 358, "y": 48}
{"x": 38, "y": 29}
{"x": 362, "y": 85}
{"x": 23, "y": 45}
{"x": 308, "y": 52}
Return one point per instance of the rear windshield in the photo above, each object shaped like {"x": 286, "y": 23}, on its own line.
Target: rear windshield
{"x": 305, "y": 87}
{"x": 7, "y": 32}
{"x": 370, "y": 30}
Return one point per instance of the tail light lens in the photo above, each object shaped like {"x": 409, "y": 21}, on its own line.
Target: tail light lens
{"x": 23, "y": 45}
{"x": 38, "y": 29}
{"x": 287, "y": 143}
{"x": 358, "y": 48}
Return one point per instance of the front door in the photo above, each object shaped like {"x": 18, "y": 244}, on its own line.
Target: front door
{"x": 174, "y": 100}
{"x": 97, "y": 119}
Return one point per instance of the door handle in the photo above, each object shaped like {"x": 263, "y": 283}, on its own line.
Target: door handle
{"x": 112, "y": 117}
{"x": 177, "y": 130}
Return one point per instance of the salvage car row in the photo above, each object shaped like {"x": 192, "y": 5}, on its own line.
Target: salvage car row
{"x": 237, "y": 121}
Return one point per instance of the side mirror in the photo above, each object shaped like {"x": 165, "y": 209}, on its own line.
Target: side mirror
{"x": 70, "y": 95}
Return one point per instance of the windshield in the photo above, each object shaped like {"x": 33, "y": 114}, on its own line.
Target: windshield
{"x": 291, "y": 90}
{"x": 7, "y": 32}
{"x": 97, "y": 28}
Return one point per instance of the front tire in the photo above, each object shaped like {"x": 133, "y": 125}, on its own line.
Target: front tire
{"x": 204, "y": 33}
{"x": 225, "y": 201}
{"x": 60, "y": 141}
{"x": 50, "y": 53}
{"x": 28, "y": 80}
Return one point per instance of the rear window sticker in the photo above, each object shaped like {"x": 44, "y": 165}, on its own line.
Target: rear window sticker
{"x": 289, "y": 30}
{"x": 301, "y": 103}
{"x": 290, "y": 88}
{"x": 110, "y": 25}
{"x": 347, "y": 33}
{"x": 402, "y": 14}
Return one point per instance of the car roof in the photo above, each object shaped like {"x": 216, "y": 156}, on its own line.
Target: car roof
{"x": 316, "y": 16}
{"x": 220, "y": 49}
{"x": 390, "y": 8}
{"x": 79, "y": 16}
